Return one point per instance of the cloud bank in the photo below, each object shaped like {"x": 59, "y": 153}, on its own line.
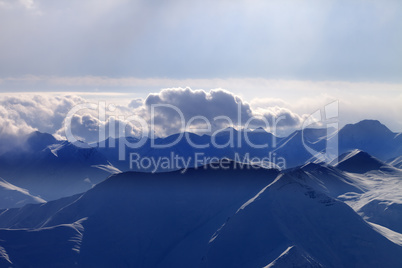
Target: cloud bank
{"x": 22, "y": 114}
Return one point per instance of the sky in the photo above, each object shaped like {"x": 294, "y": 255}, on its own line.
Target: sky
{"x": 274, "y": 57}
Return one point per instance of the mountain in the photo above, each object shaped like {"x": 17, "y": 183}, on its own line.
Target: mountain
{"x": 13, "y": 196}
{"x": 137, "y": 219}
{"x": 51, "y": 169}
{"x": 38, "y": 141}
{"x": 55, "y": 246}
{"x": 396, "y": 162}
{"x": 293, "y": 148}
{"x": 329, "y": 180}
{"x": 296, "y": 149}
{"x": 358, "y": 162}
{"x": 294, "y": 257}
{"x": 290, "y": 213}
{"x": 372, "y": 137}
{"x": 228, "y": 143}
{"x": 224, "y": 214}
{"x": 381, "y": 201}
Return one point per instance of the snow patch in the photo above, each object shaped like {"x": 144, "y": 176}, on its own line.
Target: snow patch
{"x": 4, "y": 255}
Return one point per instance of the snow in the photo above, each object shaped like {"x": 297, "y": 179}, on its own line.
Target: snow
{"x": 108, "y": 168}
{"x": 4, "y": 255}
{"x": 381, "y": 202}
{"x": 14, "y": 196}
{"x": 290, "y": 212}
{"x": 391, "y": 235}
{"x": 396, "y": 162}
{"x": 294, "y": 257}
{"x": 311, "y": 216}
{"x": 58, "y": 245}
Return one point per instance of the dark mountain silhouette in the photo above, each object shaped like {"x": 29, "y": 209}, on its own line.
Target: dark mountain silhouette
{"x": 233, "y": 215}
{"x": 51, "y": 169}
{"x": 358, "y": 162}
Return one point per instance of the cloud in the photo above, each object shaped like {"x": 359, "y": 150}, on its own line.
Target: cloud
{"x": 357, "y": 101}
{"x": 266, "y": 89}
{"x": 188, "y": 104}
{"x": 41, "y": 112}
{"x": 22, "y": 114}
{"x": 136, "y": 103}
{"x": 211, "y": 106}
{"x": 27, "y": 3}
{"x": 285, "y": 118}
{"x": 198, "y": 102}
{"x": 87, "y": 127}
{"x": 13, "y": 130}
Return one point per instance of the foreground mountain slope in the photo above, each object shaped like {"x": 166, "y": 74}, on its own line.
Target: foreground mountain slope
{"x": 213, "y": 216}
{"x": 56, "y": 246}
{"x": 34, "y": 216}
{"x": 295, "y": 258}
{"x": 381, "y": 203}
{"x": 151, "y": 220}
{"x": 289, "y": 212}
{"x": 330, "y": 180}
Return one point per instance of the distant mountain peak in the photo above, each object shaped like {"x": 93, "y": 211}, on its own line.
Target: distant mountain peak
{"x": 41, "y": 135}
{"x": 38, "y": 141}
{"x": 358, "y": 161}
{"x": 309, "y": 166}
{"x": 259, "y": 129}
{"x": 368, "y": 125}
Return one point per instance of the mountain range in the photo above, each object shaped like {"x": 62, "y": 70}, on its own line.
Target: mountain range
{"x": 78, "y": 205}
{"x": 52, "y": 169}
{"x": 238, "y": 215}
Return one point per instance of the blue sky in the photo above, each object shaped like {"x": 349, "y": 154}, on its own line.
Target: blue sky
{"x": 298, "y": 55}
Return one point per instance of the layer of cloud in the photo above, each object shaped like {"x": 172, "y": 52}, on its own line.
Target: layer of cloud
{"x": 22, "y": 114}
{"x": 35, "y": 112}
{"x": 89, "y": 128}
{"x": 277, "y": 88}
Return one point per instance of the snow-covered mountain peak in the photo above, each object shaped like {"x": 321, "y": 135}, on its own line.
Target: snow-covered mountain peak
{"x": 358, "y": 161}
